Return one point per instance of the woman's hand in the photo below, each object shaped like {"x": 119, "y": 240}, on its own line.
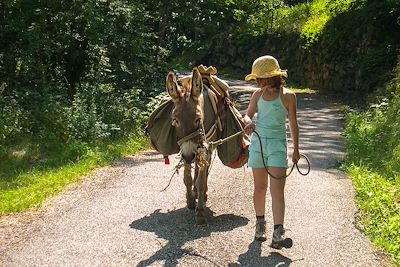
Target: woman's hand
{"x": 296, "y": 156}
{"x": 249, "y": 128}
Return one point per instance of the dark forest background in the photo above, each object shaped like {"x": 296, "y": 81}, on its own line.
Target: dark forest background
{"x": 85, "y": 71}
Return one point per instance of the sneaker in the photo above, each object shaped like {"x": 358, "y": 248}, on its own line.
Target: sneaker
{"x": 260, "y": 231}
{"x": 279, "y": 240}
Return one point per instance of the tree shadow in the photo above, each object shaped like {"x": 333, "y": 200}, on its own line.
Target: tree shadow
{"x": 179, "y": 227}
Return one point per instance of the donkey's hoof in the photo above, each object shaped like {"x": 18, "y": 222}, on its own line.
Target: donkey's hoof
{"x": 191, "y": 205}
{"x": 190, "y": 201}
{"x": 200, "y": 216}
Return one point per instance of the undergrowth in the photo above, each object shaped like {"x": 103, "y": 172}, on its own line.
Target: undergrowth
{"x": 373, "y": 163}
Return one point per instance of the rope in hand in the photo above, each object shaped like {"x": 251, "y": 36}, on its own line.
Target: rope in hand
{"x": 291, "y": 169}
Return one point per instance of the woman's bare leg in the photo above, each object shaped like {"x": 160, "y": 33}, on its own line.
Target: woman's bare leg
{"x": 277, "y": 189}
{"x": 260, "y": 190}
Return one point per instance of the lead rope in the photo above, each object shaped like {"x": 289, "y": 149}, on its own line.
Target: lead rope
{"x": 221, "y": 141}
{"x": 176, "y": 168}
{"x": 180, "y": 164}
{"x": 291, "y": 169}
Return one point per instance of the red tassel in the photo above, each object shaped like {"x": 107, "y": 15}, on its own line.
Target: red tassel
{"x": 166, "y": 160}
{"x": 235, "y": 164}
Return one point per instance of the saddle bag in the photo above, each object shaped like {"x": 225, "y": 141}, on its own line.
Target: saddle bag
{"x": 234, "y": 153}
{"x": 160, "y": 130}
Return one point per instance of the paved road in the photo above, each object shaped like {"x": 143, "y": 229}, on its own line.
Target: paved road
{"x": 118, "y": 217}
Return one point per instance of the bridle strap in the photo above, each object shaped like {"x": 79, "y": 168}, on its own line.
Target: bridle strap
{"x": 198, "y": 132}
{"x": 217, "y": 125}
{"x": 188, "y": 137}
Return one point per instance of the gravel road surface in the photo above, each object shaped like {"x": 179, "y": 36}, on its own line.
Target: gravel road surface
{"x": 117, "y": 216}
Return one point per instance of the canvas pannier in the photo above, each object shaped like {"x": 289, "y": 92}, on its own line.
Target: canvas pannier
{"x": 160, "y": 130}
{"x": 233, "y": 153}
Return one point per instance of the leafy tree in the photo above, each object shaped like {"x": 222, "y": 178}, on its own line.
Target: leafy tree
{"x": 55, "y": 55}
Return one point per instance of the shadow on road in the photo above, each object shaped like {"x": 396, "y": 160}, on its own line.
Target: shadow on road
{"x": 320, "y": 132}
{"x": 252, "y": 257}
{"x": 140, "y": 158}
{"x": 179, "y": 227}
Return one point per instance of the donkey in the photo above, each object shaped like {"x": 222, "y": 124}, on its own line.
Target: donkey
{"x": 194, "y": 118}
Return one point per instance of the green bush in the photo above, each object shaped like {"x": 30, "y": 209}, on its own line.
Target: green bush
{"x": 292, "y": 19}
{"x": 373, "y": 163}
{"x": 322, "y": 11}
{"x": 75, "y": 70}
{"x": 10, "y": 119}
{"x": 373, "y": 137}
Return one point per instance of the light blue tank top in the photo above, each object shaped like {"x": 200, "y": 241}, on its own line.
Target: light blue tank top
{"x": 271, "y": 118}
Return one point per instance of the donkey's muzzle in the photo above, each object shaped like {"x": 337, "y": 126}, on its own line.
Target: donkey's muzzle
{"x": 188, "y": 151}
{"x": 189, "y": 158}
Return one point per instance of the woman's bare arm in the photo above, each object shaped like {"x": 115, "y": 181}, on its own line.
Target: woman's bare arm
{"x": 294, "y": 127}
{"x": 251, "y": 110}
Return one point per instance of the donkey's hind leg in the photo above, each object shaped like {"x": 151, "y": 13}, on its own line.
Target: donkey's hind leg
{"x": 188, "y": 180}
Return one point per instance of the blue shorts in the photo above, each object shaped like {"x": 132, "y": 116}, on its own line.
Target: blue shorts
{"x": 274, "y": 150}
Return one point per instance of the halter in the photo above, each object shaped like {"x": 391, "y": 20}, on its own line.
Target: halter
{"x": 203, "y": 146}
{"x": 191, "y": 136}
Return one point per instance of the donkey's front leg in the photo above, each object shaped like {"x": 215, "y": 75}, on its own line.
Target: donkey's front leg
{"x": 187, "y": 179}
{"x": 201, "y": 185}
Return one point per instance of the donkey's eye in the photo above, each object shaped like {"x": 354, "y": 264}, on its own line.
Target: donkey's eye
{"x": 198, "y": 121}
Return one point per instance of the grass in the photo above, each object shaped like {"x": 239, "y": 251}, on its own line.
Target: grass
{"x": 379, "y": 202}
{"x": 373, "y": 163}
{"x": 27, "y": 188}
{"x": 303, "y": 90}
{"x": 298, "y": 89}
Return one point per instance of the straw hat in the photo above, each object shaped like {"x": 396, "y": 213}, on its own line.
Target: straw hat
{"x": 265, "y": 67}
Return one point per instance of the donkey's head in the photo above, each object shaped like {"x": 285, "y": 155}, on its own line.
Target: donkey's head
{"x": 188, "y": 115}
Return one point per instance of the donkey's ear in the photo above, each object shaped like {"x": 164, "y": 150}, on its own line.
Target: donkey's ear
{"x": 173, "y": 89}
{"x": 197, "y": 83}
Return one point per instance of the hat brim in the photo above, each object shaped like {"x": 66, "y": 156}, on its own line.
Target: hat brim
{"x": 253, "y": 76}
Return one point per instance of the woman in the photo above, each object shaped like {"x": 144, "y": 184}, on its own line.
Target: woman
{"x": 273, "y": 103}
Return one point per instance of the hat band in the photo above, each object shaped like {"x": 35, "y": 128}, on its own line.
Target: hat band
{"x": 253, "y": 76}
